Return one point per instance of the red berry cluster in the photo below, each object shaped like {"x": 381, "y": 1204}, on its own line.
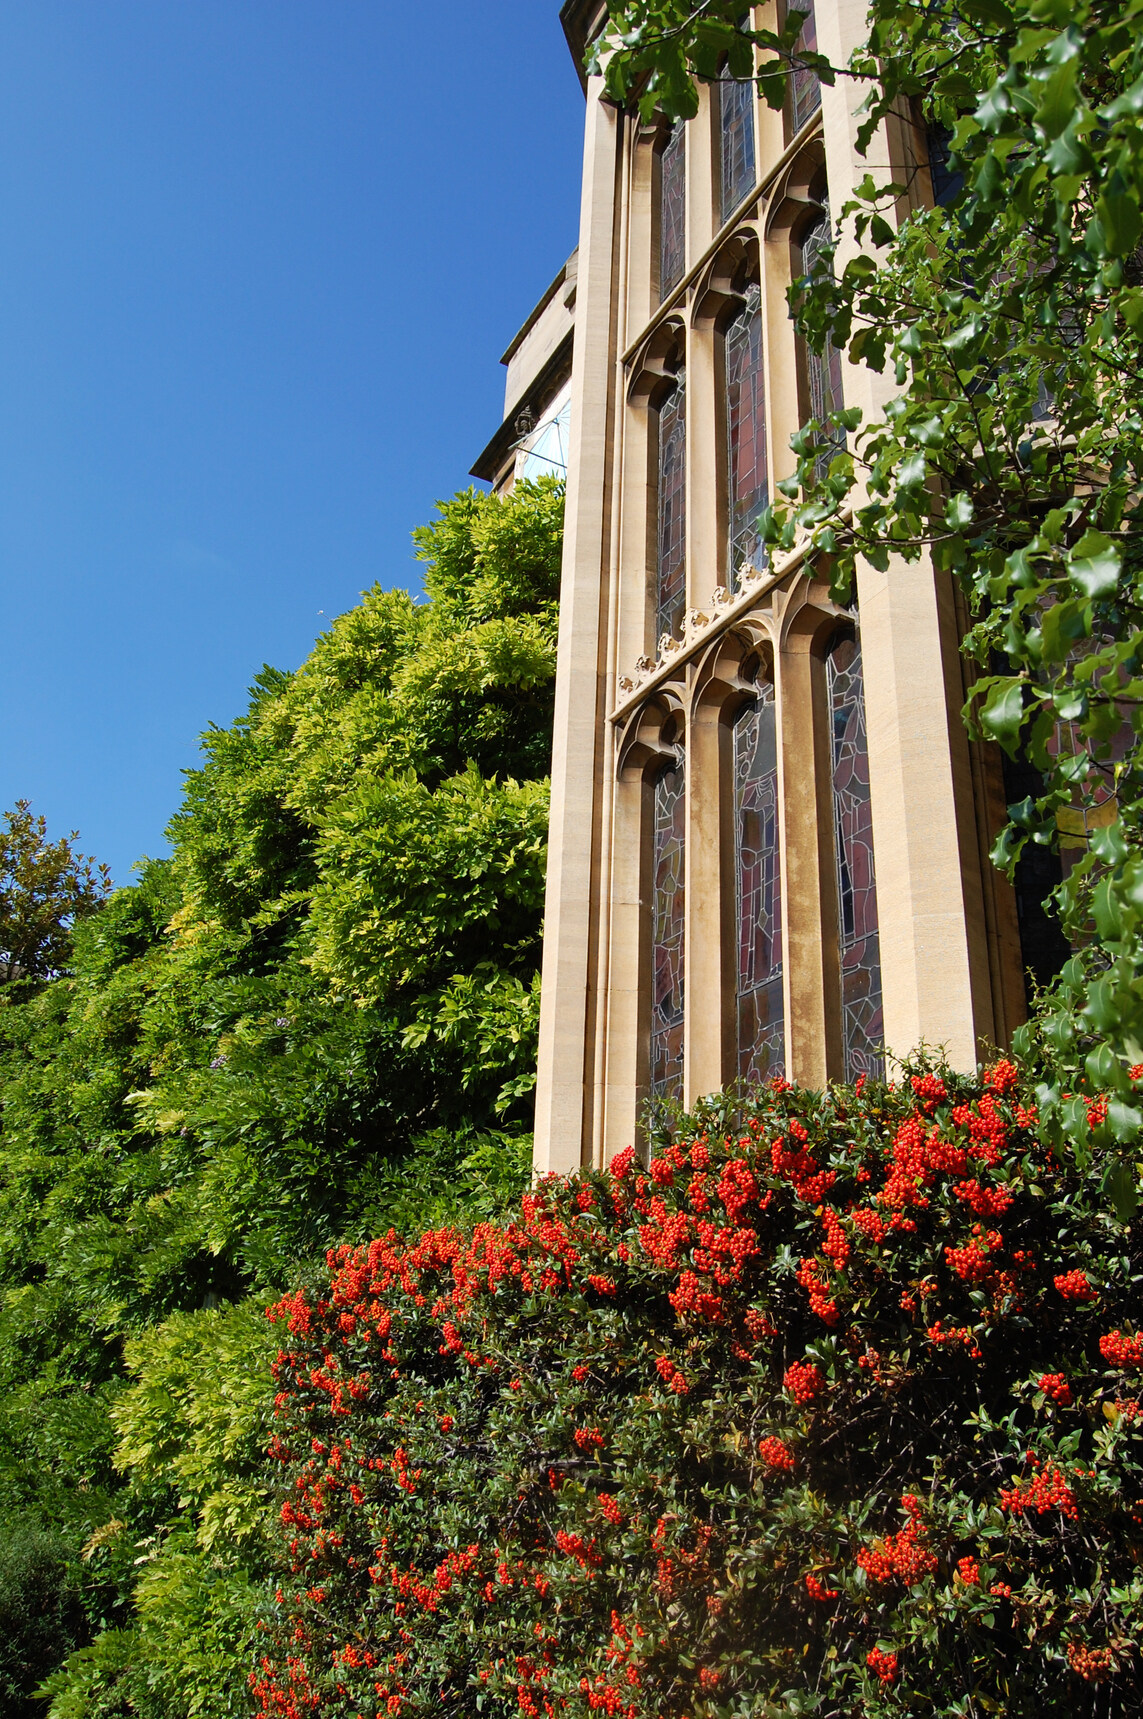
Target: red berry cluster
{"x": 775, "y": 1454}
{"x": 882, "y": 1665}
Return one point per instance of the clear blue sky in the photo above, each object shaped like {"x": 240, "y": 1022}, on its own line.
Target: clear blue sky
{"x": 260, "y": 259}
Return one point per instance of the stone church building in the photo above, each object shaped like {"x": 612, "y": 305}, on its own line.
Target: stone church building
{"x": 769, "y": 829}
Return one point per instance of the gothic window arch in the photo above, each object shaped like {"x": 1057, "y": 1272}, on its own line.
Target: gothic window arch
{"x": 671, "y": 510}
{"x": 758, "y": 969}
{"x": 671, "y": 200}
{"x": 859, "y": 950}
{"x": 737, "y": 158}
{"x": 804, "y": 95}
{"x": 820, "y": 372}
{"x": 747, "y": 465}
{"x": 668, "y": 926}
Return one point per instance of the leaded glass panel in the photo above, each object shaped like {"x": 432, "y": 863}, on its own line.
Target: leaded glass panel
{"x": 667, "y": 928}
{"x": 671, "y": 596}
{"x": 805, "y": 86}
{"x": 672, "y": 210}
{"x": 823, "y": 369}
{"x": 545, "y": 454}
{"x": 736, "y": 115}
{"x": 861, "y": 1012}
{"x": 747, "y": 481}
{"x": 761, "y": 1019}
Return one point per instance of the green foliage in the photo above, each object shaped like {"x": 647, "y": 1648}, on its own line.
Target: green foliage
{"x": 1011, "y": 322}
{"x": 44, "y": 888}
{"x": 39, "y": 1612}
{"x": 315, "y": 1019}
{"x": 653, "y": 50}
{"x": 834, "y": 1410}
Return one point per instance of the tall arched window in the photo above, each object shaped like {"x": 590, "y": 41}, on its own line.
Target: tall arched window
{"x": 747, "y": 481}
{"x": 823, "y": 369}
{"x": 761, "y": 1022}
{"x": 861, "y": 1012}
{"x": 736, "y": 140}
{"x": 671, "y": 583}
{"x": 673, "y": 209}
{"x": 668, "y": 903}
{"x": 805, "y": 91}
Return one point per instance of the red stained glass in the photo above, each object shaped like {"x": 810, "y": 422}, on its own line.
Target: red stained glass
{"x": 667, "y": 931}
{"x": 748, "y": 483}
{"x": 671, "y": 597}
{"x": 761, "y": 1013}
{"x": 673, "y": 210}
{"x": 859, "y": 945}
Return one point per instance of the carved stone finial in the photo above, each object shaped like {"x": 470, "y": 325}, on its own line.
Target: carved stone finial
{"x": 719, "y": 597}
{"x": 626, "y": 684}
{"x": 668, "y": 646}
{"x": 696, "y": 621}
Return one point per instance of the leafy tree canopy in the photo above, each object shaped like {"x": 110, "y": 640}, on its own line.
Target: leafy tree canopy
{"x": 44, "y": 888}
{"x": 315, "y": 1019}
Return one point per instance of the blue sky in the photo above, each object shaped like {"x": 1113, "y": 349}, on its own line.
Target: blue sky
{"x": 260, "y": 260}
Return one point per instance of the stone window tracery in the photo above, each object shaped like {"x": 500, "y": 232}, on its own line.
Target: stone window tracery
{"x": 747, "y": 477}
{"x": 672, "y": 210}
{"x": 736, "y": 142}
{"x": 858, "y": 942}
{"x": 671, "y": 580}
{"x": 667, "y": 933}
{"x": 760, "y": 1006}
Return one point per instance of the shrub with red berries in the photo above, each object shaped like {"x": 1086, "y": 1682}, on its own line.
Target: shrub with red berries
{"x": 833, "y": 1407}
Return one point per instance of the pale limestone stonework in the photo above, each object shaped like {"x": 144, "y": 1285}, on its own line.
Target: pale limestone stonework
{"x": 627, "y": 703}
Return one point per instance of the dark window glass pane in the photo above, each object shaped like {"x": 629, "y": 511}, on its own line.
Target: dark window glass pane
{"x": 672, "y": 210}
{"x": 672, "y": 498}
{"x": 736, "y": 112}
{"x": 823, "y": 369}
{"x": 862, "y": 1022}
{"x": 761, "y": 1036}
{"x": 805, "y": 89}
{"x": 746, "y": 436}
{"x": 667, "y": 906}
{"x": 947, "y": 185}
{"x": 1043, "y": 946}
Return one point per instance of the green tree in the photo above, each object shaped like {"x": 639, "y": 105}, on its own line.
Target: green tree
{"x": 44, "y": 888}
{"x": 316, "y": 1019}
{"x": 1011, "y": 321}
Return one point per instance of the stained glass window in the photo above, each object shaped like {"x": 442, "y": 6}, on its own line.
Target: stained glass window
{"x": 761, "y": 1036}
{"x": 861, "y": 1013}
{"x": 671, "y": 597}
{"x": 823, "y": 369}
{"x": 672, "y": 210}
{"x": 667, "y": 925}
{"x": 746, "y": 435}
{"x": 805, "y": 87}
{"x": 736, "y": 116}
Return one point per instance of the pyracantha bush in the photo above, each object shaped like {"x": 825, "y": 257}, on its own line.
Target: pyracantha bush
{"x": 833, "y": 1411}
